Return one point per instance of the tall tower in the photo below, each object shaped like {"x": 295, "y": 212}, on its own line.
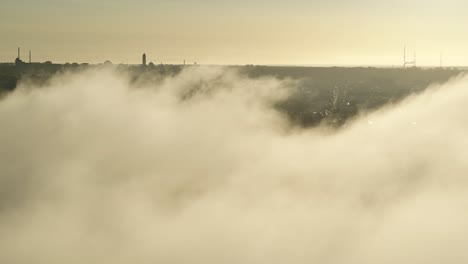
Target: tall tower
{"x": 29, "y": 56}
{"x": 441, "y": 59}
{"x": 404, "y": 56}
{"x": 144, "y": 59}
{"x": 408, "y": 62}
{"x": 19, "y": 54}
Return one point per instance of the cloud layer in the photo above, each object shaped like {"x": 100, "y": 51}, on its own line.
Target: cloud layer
{"x": 200, "y": 168}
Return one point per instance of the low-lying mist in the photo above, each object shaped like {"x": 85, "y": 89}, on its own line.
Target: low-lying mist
{"x": 201, "y": 168}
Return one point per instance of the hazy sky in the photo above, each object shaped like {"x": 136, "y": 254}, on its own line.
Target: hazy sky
{"x": 341, "y": 32}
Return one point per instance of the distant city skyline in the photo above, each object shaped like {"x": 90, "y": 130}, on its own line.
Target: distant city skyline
{"x": 298, "y": 32}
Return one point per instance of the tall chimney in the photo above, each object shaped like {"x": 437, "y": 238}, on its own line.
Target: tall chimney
{"x": 19, "y": 53}
{"x": 29, "y": 56}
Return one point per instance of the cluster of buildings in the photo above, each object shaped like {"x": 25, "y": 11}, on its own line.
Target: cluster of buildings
{"x": 19, "y": 62}
{"x": 143, "y": 60}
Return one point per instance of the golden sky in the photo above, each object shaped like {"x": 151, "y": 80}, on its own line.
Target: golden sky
{"x": 334, "y": 32}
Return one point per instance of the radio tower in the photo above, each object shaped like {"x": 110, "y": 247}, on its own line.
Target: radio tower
{"x": 408, "y": 62}
{"x": 404, "y": 56}
{"x": 441, "y": 59}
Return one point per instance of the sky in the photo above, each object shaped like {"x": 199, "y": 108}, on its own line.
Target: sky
{"x": 296, "y": 32}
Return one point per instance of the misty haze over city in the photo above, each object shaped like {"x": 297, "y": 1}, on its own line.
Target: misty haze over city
{"x": 182, "y": 132}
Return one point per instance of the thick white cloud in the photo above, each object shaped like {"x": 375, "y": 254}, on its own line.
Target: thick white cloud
{"x": 93, "y": 171}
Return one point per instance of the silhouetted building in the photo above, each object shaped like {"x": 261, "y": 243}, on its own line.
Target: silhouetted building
{"x": 144, "y": 59}
{"x": 18, "y": 62}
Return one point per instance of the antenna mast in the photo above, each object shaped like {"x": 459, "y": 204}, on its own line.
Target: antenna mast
{"x": 408, "y": 62}
{"x": 441, "y": 54}
{"x": 404, "y": 56}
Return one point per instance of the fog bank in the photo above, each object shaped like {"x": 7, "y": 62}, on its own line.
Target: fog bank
{"x": 200, "y": 168}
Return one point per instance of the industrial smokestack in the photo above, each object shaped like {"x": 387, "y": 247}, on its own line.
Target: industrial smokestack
{"x": 19, "y": 53}
{"x": 29, "y": 56}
